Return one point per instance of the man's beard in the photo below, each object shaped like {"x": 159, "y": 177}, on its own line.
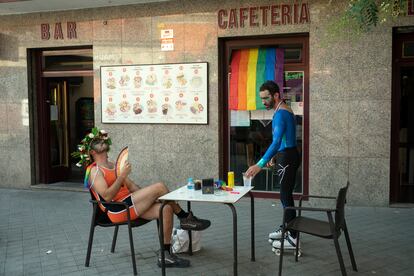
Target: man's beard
{"x": 270, "y": 105}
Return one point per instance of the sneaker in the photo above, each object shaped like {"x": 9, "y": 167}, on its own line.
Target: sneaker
{"x": 172, "y": 260}
{"x": 289, "y": 243}
{"x": 193, "y": 223}
{"x": 275, "y": 235}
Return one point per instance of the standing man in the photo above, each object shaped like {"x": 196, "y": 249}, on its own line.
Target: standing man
{"x": 286, "y": 160}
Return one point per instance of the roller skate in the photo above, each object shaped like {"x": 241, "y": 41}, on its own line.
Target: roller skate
{"x": 276, "y": 235}
{"x": 289, "y": 244}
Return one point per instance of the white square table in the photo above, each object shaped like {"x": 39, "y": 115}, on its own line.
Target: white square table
{"x": 228, "y": 198}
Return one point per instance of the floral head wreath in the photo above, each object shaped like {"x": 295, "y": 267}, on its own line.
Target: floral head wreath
{"x": 84, "y": 147}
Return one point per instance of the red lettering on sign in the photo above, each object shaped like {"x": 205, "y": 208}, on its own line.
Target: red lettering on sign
{"x": 243, "y": 16}
{"x": 295, "y": 14}
{"x": 286, "y": 14}
{"x": 280, "y": 14}
{"x": 304, "y": 14}
{"x": 44, "y": 30}
{"x": 264, "y": 10}
{"x": 221, "y": 22}
{"x": 71, "y": 29}
{"x": 233, "y": 19}
{"x": 58, "y": 31}
{"x": 253, "y": 17}
{"x": 274, "y": 14}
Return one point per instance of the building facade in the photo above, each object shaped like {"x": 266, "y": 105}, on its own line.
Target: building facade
{"x": 347, "y": 101}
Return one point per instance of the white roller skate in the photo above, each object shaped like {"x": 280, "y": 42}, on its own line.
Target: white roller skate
{"x": 276, "y": 235}
{"x": 289, "y": 244}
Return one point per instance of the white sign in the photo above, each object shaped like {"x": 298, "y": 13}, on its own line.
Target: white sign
{"x": 167, "y": 40}
{"x": 161, "y": 93}
{"x": 167, "y": 44}
{"x": 167, "y": 33}
{"x": 239, "y": 118}
{"x": 297, "y": 108}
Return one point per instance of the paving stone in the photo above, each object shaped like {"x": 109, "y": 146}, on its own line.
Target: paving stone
{"x": 382, "y": 244}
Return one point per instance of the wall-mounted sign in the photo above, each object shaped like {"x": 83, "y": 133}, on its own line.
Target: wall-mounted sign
{"x": 159, "y": 93}
{"x": 280, "y": 14}
{"x": 57, "y": 31}
{"x": 167, "y": 40}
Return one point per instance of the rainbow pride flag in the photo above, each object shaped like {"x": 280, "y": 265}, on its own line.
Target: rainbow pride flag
{"x": 250, "y": 68}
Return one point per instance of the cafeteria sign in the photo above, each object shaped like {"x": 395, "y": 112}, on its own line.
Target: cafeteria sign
{"x": 279, "y": 14}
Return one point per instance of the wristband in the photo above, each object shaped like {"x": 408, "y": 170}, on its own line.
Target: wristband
{"x": 261, "y": 163}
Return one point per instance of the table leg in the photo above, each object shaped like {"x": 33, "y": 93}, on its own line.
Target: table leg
{"x": 161, "y": 235}
{"x": 190, "y": 245}
{"x": 253, "y": 257}
{"x": 234, "y": 237}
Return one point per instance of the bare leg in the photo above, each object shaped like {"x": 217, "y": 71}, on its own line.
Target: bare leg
{"x": 153, "y": 213}
{"x": 144, "y": 198}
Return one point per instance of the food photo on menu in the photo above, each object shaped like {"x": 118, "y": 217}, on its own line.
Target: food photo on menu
{"x": 111, "y": 83}
{"x": 179, "y": 105}
{"x": 165, "y": 107}
{"x": 152, "y": 106}
{"x": 137, "y": 108}
{"x": 151, "y": 79}
{"x": 124, "y": 80}
{"x": 196, "y": 108}
{"x": 196, "y": 82}
{"x": 181, "y": 79}
{"x": 110, "y": 109}
{"x": 167, "y": 82}
{"x": 124, "y": 106}
{"x": 137, "y": 81}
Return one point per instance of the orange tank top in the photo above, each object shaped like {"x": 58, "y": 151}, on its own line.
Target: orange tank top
{"x": 110, "y": 177}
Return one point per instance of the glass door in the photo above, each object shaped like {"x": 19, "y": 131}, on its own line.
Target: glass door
{"x": 58, "y": 129}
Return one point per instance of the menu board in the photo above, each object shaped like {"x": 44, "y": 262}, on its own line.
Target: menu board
{"x": 158, "y": 93}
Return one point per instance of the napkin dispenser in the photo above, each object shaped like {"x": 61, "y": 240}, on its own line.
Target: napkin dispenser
{"x": 208, "y": 186}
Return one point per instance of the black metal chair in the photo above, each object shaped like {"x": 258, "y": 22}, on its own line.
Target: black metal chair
{"x": 324, "y": 229}
{"x": 100, "y": 218}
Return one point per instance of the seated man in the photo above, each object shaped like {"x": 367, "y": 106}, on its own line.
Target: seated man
{"x": 102, "y": 180}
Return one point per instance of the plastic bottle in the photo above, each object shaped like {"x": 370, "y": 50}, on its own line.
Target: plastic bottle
{"x": 230, "y": 179}
{"x": 190, "y": 184}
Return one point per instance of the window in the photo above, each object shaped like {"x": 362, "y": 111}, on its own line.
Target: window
{"x": 250, "y": 131}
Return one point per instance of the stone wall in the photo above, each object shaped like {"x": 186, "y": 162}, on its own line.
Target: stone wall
{"x": 350, "y": 92}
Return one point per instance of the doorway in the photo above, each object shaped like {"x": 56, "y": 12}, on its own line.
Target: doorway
{"x": 65, "y": 110}
{"x": 402, "y": 136}
{"x": 246, "y": 129}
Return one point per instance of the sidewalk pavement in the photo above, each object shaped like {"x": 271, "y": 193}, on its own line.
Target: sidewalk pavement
{"x": 45, "y": 232}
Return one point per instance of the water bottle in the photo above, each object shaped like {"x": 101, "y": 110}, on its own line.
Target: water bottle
{"x": 190, "y": 184}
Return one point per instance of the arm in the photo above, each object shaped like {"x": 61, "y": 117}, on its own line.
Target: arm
{"x": 101, "y": 187}
{"x": 278, "y": 131}
{"x": 131, "y": 185}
